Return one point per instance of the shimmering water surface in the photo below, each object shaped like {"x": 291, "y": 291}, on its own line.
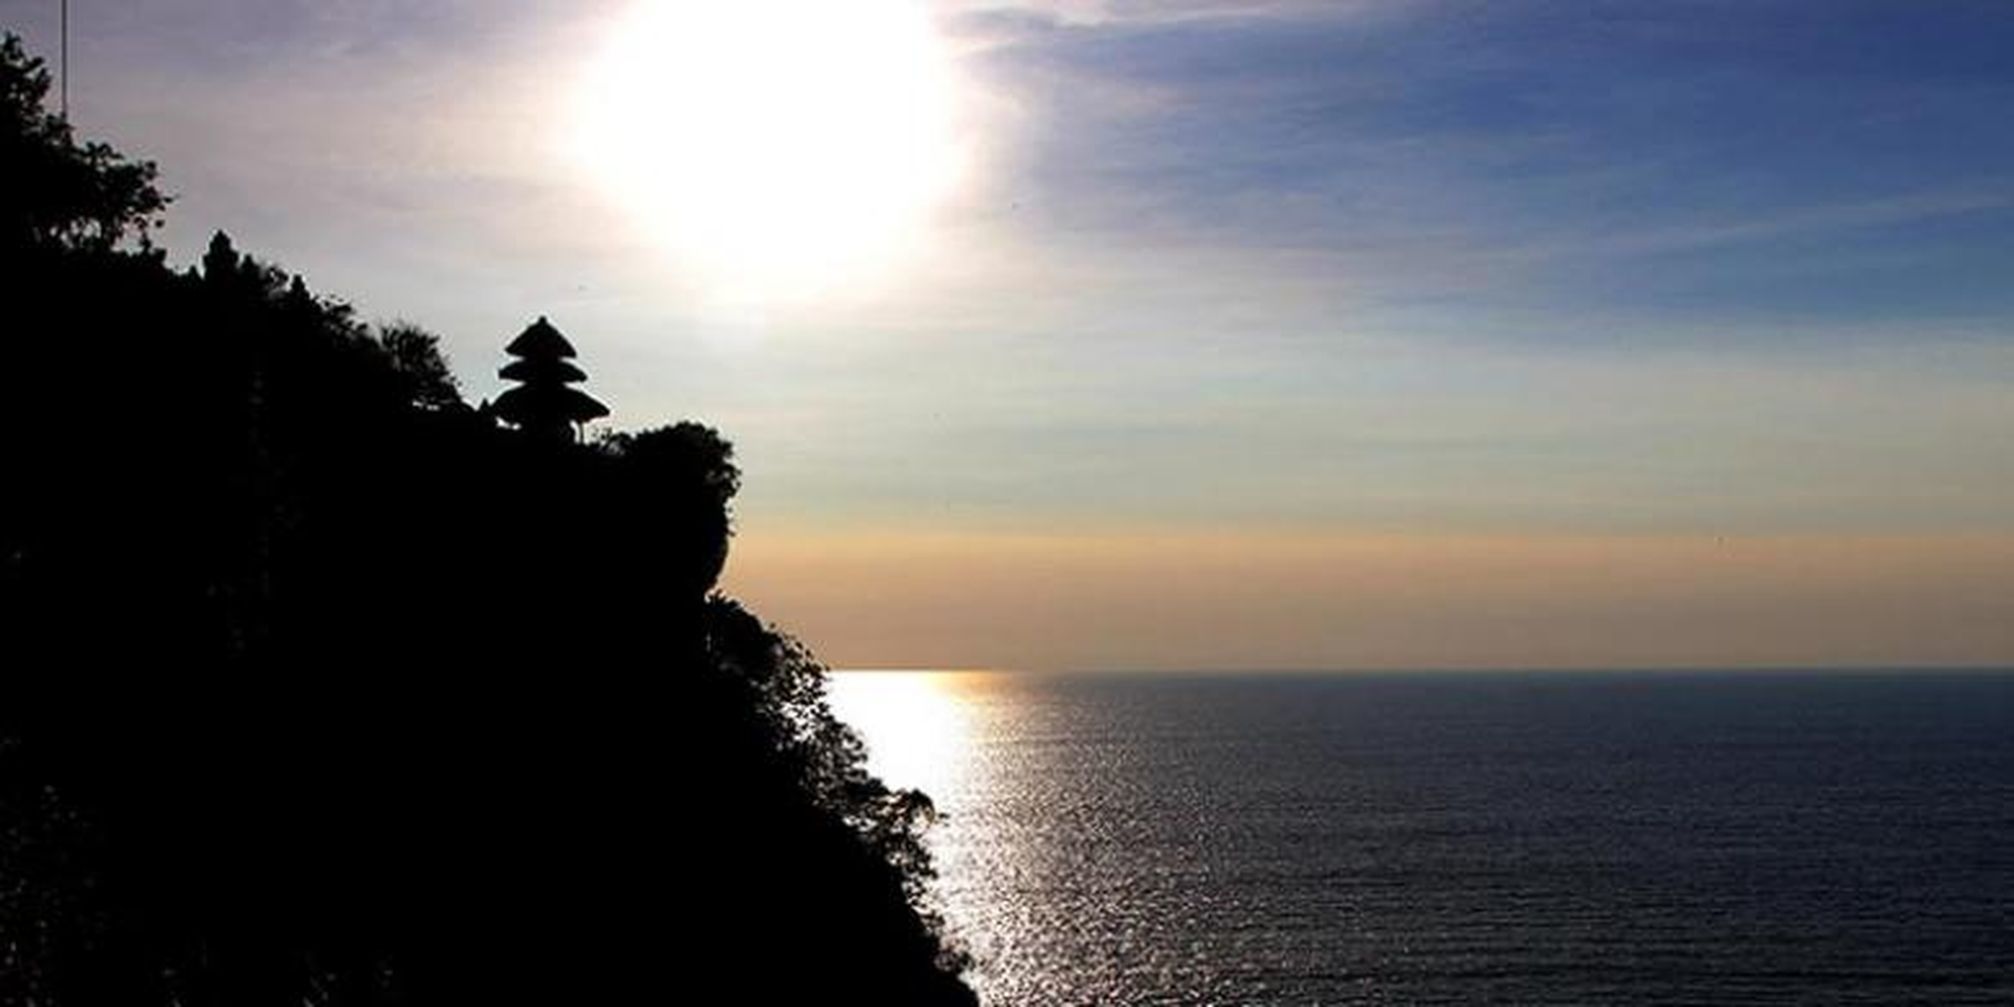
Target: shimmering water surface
{"x": 1508, "y": 838}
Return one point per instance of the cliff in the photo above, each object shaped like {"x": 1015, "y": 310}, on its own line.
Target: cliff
{"x": 323, "y": 686}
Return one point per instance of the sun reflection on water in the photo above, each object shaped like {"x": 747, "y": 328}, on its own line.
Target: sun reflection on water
{"x": 939, "y": 732}
{"x": 916, "y": 725}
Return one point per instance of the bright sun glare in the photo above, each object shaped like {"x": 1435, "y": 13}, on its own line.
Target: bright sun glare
{"x": 777, "y": 147}
{"x": 916, "y": 725}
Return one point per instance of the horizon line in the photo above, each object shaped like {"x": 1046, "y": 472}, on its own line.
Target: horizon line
{"x": 1697, "y": 669}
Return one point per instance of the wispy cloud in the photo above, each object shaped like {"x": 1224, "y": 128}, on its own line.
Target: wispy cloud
{"x": 1444, "y": 151}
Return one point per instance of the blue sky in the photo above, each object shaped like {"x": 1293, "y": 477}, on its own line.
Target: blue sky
{"x": 1684, "y": 166}
{"x": 1406, "y": 269}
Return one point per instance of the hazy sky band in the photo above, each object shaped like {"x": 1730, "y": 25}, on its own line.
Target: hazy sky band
{"x": 1330, "y": 602}
{"x": 1419, "y": 271}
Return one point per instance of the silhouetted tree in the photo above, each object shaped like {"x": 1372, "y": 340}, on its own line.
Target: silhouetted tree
{"x": 59, "y": 193}
{"x": 544, "y": 403}
{"x": 416, "y": 357}
{"x": 824, "y": 756}
{"x": 681, "y": 477}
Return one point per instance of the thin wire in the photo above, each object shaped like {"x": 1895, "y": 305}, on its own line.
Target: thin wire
{"x": 63, "y": 71}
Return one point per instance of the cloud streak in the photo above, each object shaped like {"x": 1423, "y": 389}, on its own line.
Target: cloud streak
{"x": 1443, "y": 151}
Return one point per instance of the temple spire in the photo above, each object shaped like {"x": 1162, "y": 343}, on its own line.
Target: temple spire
{"x": 543, "y": 403}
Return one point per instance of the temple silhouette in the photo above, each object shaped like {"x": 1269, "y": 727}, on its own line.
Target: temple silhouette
{"x": 544, "y": 404}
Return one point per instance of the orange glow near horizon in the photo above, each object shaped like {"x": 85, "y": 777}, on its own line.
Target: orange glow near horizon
{"x": 1258, "y": 601}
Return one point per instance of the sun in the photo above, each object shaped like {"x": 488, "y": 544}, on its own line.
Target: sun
{"x": 776, "y": 147}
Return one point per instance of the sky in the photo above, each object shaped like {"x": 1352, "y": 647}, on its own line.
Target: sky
{"x": 1195, "y": 334}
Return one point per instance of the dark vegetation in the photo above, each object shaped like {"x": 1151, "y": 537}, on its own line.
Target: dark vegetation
{"x": 322, "y": 687}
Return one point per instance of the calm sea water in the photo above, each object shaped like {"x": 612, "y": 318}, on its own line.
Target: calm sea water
{"x": 1504, "y": 838}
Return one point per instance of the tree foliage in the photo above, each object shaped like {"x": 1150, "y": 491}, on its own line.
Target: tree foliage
{"x": 821, "y": 754}
{"x": 415, "y": 356}
{"x": 61, "y": 193}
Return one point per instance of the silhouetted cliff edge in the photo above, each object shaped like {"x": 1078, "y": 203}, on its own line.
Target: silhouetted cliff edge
{"x": 322, "y": 686}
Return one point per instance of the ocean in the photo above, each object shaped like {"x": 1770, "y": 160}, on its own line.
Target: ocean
{"x": 1506, "y": 838}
